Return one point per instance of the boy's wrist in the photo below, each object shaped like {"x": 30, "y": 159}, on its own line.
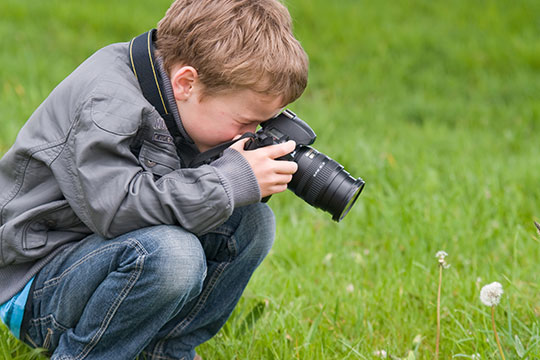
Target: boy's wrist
{"x": 238, "y": 178}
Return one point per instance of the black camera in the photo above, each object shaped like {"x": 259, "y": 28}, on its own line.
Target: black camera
{"x": 319, "y": 180}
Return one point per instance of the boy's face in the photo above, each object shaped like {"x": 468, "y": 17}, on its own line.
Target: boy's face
{"x": 215, "y": 119}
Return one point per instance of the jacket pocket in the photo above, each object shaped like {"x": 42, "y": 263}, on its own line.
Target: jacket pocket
{"x": 36, "y": 230}
{"x": 35, "y": 235}
{"x": 157, "y": 160}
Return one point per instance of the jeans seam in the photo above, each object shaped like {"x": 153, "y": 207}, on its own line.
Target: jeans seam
{"x": 49, "y": 318}
{"x": 52, "y": 282}
{"x": 233, "y": 247}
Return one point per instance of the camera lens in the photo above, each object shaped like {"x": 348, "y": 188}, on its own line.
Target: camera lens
{"x": 323, "y": 183}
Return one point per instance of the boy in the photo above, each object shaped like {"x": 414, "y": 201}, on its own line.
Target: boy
{"x": 111, "y": 246}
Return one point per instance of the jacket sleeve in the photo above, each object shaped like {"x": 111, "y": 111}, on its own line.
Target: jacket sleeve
{"x": 112, "y": 194}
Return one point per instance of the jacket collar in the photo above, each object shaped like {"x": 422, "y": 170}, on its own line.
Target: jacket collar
{"x": 172, "y": 104}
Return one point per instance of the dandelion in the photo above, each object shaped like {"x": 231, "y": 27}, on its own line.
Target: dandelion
{"x": 490, "y": 295}
{"x": 440, "y": 255}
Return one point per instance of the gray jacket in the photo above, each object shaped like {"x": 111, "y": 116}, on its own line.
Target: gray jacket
{"x": 96, "y": 157}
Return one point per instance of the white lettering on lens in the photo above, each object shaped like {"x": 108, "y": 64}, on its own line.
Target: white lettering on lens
{"x": 319, "y": 169}
{"x": 310, "y": 154}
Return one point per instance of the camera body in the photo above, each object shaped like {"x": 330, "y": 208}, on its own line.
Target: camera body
{"x": 319, "y": 180}
{"x": 284, "y": 127}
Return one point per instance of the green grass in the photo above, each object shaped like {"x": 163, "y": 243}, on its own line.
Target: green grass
{"x": 435, "y": 104}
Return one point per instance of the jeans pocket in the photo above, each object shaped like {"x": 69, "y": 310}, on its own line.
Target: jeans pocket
{"x": 44, "y": 333}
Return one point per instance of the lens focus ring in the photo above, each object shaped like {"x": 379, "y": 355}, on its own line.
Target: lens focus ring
{"x": 305, "y": 173}
{"x": 320, "y": 182}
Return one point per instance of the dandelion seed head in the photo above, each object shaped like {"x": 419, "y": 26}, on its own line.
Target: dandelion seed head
{"x": 441, "y": 255}
{"x": 490, "y": 294}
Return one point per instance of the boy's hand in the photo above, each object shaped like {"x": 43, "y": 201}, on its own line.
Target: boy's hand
{"x": 272, "y": 175}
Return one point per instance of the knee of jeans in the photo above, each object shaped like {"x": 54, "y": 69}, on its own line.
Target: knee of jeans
{"x": 176, "y": 261}
{"x": 260, "y": 219}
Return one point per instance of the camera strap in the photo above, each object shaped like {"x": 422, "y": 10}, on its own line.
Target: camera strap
{"x": 143, "y": 64}
{"x": 215, "y": 152}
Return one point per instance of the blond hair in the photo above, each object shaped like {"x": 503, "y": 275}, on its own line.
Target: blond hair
{"x": 234, "y": 45}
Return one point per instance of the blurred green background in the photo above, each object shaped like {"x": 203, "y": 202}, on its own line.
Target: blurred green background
{"x": 435, "y": 104}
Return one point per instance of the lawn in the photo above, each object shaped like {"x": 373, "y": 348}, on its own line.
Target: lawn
{"x": 436, "y": 105}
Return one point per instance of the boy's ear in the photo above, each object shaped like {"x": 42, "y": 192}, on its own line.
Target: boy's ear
{"x": 183, "y": 80}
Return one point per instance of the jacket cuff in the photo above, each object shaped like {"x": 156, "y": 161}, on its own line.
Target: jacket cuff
{"x": 238, "y": 178}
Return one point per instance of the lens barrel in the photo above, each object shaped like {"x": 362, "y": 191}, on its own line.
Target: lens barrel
{"x": 324, "y": 183}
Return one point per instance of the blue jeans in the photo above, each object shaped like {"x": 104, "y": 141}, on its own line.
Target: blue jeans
{"x": 158, "y": 291}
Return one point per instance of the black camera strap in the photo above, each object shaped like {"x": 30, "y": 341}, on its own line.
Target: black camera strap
{"x": 143, "y": 64}
{"x": 215, "y": 152}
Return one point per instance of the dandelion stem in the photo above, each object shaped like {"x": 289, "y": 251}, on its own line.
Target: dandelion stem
{"x": 438, "y": 313}
{"x": 495, "y": 332}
